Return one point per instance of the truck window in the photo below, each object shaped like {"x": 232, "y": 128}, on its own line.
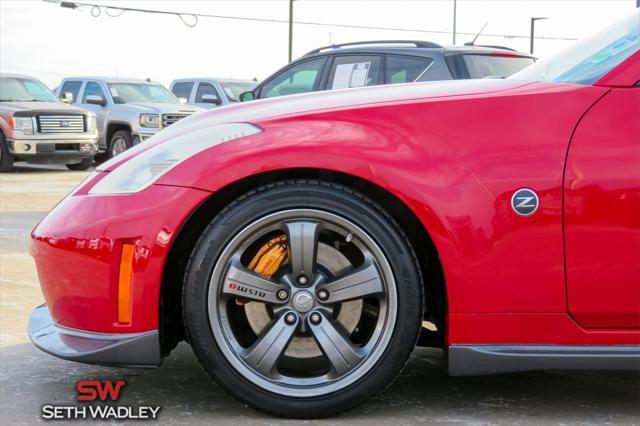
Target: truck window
{"x": 205, "y": 89}
{"x": 404, "y": 69}
{"x": 94, "y": 89}
{"x": 72, "y": 87}
{"x": 183, "y": 89}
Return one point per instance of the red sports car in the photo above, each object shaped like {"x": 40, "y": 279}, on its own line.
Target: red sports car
{"x": 303, "y": 245}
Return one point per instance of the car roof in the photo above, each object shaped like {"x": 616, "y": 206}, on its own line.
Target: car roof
{"x": 407, "y": 47}
{"x": 220, "y": 80}
{"x": 10, "y": 75}
{"x": 112, "y": 79}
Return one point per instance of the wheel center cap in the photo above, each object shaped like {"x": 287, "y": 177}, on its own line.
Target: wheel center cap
{"x": 302, "y": 301}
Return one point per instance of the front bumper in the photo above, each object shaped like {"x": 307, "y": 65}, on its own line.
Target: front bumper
{"x": 127, "y": 350}
{"x": 39, "y": 148}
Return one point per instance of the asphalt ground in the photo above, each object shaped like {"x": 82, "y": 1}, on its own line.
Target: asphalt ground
{"x": 423, "y": 394}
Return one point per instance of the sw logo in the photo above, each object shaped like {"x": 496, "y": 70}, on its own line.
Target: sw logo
{"x": 90, "y": 390}
{"x": 525, "y": 202}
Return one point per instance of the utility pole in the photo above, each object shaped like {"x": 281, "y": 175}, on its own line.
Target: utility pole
{"x": 533, "y": 25}
{"x": 455, "y": 2}
{"x": 290, "y": 30}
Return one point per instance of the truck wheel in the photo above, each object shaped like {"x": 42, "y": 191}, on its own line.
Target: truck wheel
{"x": 303, "y": 299}
{"x": 83, "y": 165}
{"x": 120, "y": 142}
{"x": 6, "y": 159}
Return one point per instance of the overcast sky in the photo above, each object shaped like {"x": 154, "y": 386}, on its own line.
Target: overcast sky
{"x": 49, "y": 42}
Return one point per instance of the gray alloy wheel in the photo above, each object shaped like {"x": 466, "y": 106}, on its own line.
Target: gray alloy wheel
{"x": 118, "y": 145}
{"x": 321, "y": 322}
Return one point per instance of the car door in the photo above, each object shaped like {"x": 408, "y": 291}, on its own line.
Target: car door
{"x": 94, "y": 88}
{"x": 302, "y": 77}
{"x": 602, "y": 213}
{"x": 348, "y": 71}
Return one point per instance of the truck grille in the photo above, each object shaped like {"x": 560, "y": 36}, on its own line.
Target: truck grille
{"x": 169, "y": 119}
{"x": 61, "y": 123}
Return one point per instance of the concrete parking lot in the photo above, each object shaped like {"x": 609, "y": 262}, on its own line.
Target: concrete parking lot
{"x": 423, "y": 394}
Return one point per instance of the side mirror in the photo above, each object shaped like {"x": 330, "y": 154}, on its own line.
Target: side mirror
{"x": 67, "y": 97}
{"x": 183, "y": 101}
{"x": 247, "y": 96}
{"x": 96, "y": 100}
{"x": 210, "y": 99}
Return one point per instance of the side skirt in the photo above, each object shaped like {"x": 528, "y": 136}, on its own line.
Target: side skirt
{"x": 473, "y": 360}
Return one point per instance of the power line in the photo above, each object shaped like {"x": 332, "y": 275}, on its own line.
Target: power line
{"x": 191, "y": 20}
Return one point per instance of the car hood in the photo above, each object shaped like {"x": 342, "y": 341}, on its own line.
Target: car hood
{"x": 12, "y": 107}
{"x": 260, "y": 111}
{"x": 283, "y": 106}
{"x": 160, "y": 108}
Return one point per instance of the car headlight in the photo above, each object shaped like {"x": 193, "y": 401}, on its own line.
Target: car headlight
{"x": 154, "y": 161}
{"x": 92, "y": 125}
{"x": 24, "y": 124}
{"x": 150, "y": 120}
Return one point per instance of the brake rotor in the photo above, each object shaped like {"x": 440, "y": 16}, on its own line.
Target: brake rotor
{"x": 348, "y": 317}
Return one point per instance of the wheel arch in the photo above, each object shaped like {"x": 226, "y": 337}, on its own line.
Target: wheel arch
{"x": 113, "y": 127}
{"x": 171, "y": 324}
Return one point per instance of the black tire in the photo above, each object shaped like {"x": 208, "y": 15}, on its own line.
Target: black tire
{"x": 82, "y": 165}
{"x": 335, "y": 199}
{"x": 124, "y": 135}
{"x": 6, "y": 159}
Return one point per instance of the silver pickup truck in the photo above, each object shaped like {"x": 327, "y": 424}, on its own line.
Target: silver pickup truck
{"x": 37, "y": 128}
{"x": 129, "y": 111}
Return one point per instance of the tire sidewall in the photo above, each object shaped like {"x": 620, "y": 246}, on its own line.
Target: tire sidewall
{"x": 126, "y": 135}
{"x": 336, "y": 200}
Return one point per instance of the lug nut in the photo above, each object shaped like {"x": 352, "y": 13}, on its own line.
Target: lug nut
{"x": 282, "y": 294}
{"x": 323, "y": 294}
{"x": 290, "y": 318}
{"x": 303, "y": 279}
{"x": 315, "y": 318}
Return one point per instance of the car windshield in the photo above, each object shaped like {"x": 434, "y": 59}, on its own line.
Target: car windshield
{"x": 124, "y": 93}
{"x": 234, "y": 88}
{"x": 24, "y": 90}
{"x": 590, "y": 59}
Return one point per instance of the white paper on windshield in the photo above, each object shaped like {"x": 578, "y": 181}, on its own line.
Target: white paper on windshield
{"x": 351, "y": 75}
{"x": 113, "y": 91}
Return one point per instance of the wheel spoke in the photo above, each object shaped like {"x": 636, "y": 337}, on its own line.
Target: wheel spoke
{"x": 264, "y": 354}
{"x": 361, "y": 282}
{"x": 302, "y": 241}
{"x": 342, "y": 354}
{"x": 244, "y": 283}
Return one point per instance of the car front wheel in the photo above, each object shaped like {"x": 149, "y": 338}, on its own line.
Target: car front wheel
{"x": 303, "y": 299}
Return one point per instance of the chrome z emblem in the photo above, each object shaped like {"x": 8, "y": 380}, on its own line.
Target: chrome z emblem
{"x": 525, "y": 202}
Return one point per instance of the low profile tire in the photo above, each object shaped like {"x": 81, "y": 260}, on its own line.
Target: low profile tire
{"x": 331, "y": 327}
{"x": 6, "y": 159}
{"x": 119, "y": 143}
{"x": 82, "y": 165}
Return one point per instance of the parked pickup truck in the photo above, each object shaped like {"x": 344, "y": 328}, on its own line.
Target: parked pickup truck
{"x": 37, "y": 128}
{"x": 209, "y": 92}
{"x": 128, "y": 111}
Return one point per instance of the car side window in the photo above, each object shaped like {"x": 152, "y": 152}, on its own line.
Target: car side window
{"x": 72, "y": 87}
{"x": 93, "y": 89}
{"x": 354, "y": 71}
{"x": 183, "y": 89}
{"x": 205, "y": 89}
{"x": 300, "y": 78}
{"x": 405, "y": 69}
